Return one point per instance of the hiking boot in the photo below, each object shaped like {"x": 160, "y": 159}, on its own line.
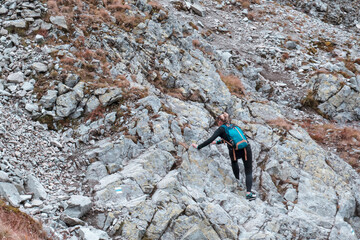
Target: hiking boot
{"x": 251, "y": 196}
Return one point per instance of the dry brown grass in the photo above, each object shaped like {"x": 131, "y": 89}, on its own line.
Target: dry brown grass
{"x": 96, "y": 114}
{"x": 343, "y": 139}
{"x": 16, "y": 225}
{"x": 244, "y": 3}
{"x": 196, "y": 43}
{"x": 280, "y": 123}
{"x": 234, "y": 84}
{"x": 155, "y": 5}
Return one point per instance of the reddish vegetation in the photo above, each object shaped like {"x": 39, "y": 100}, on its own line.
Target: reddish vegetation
{"x": 234, "y": 84}
{"x": 346, "y": 140}
{"x": 281, "y": 123}
{"x": 16, "y": 225}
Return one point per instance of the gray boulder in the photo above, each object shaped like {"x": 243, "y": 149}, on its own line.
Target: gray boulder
{"x": 17, "y": 77}
{"x": 48, "y": 100}
{"x": 10, "y": 193}
{"x": 78, "y": 206}
{"x": 33, "y": 185}
{"x": 111, "y": 96}
{"x": 59, "y": 21}
{"x": 90, "y": 233}
{"x": 66, "y": 104}
{"x": 39, "y": 67}
{"x": 20, "y": 23}
{"x": 96, "y": 171}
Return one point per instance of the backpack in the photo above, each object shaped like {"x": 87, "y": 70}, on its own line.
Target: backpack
{"x": 236, "y": 136}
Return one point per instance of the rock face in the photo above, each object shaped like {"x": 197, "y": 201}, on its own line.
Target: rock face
{"x": 335, "y": 12}
{"x": 337, "y": 98}
{"x": 130, "y": 96}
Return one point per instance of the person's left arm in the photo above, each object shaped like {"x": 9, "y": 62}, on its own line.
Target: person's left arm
{"x": 216, "y": 134}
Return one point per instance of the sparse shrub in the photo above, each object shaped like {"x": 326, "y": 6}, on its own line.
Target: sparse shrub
{"x": 281, "y": 123}
{"x": 127, "y": 22}
{"x": 285, "y": 56}
{"x": 68, "y": 61}
{"x": 119, "y": 7}
{"x": 343, "y": 139}
{"x": 104, "y": 14}
{"x": 96, "y": 114}
{"x": 234, "y": 84}
{"x": 155, "y": 5}
{"x": 309, "y": 100}
{"x": 196, "y": 43}
{"x": 244, "y": 3}
{"x": 251, "y": 16}
{"x": 88, "y": 54}
{"x": 17, "y": 225}
{"x": 193, "y": 25}
{"x": 42, "y": 32}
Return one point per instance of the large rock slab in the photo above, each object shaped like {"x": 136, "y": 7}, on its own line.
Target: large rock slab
{"x": 78, "y": 206}
{"x": 33, "y": 185}
{"x": 10, "y": 193}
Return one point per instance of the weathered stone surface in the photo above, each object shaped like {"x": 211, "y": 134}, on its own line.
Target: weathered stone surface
{"x": 90, "y": 233}
{"x": 67, "y": 103}
{"x": 10, "y": 193}
{"x": 161, "y": 219}
{"x": 40, "y": 67}
{"x": 59, "y": 21}
{"x": 78, "y": 206}
{"x": 34, "y": 185}
{"x": 48, "y": 100}
{"x": 96, "y": 171}
{"x": 20, "y": 23}
{"x": 17, "y": 77}
{"x": 111, "y": 96}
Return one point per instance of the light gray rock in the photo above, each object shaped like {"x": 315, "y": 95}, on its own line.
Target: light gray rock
{"x": 152, "y": 101}
{"x": 33, "y": 185}
{"x": 290, "y": 45}
{"x": 10, "y": 193}
{"x": 71, "y": 221}
{"x": 59, "y": 21}
{"x": 3, "y": 10}
{"x": 161, "y": 219}
{"x": 32, "y": 107}
{"x": 48, "y": 100}
{"x": 27, "y": 86}
{"x": 20, "y": 23}
{"x": 17, "y": 77}
{"x": 78, "y": 206}
{"x": 27, "y": 13}
{"x": 198, "y": 9}
{"x": 90, "y": 233}
{"x": 111, "y": 96}
{"x": 96, "y": 171}
{"x": 4, "y": 177}
{"x": 71, "y": 80}
{"x": 290, "y": 195}
{"x": 92, "y": 104}
{"x": 40, "y": 67}
{"x": 67, "y": 103}
{"x": 4, "y": 93}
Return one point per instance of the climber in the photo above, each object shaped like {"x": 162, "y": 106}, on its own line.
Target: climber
{"x": 245, "y": 154}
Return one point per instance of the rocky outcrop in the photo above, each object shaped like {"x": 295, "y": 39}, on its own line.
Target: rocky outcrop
{"x": 335, "y": 12}
{"x": 119, "y": 165}
{"x": 338, "y": 98}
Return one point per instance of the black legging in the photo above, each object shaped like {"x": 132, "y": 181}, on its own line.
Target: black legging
{"x": 247, "y": 164}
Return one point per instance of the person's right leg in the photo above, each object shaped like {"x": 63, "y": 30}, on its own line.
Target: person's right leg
{"x": 235, "y": 168}
{"x": 248, "y": 172}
